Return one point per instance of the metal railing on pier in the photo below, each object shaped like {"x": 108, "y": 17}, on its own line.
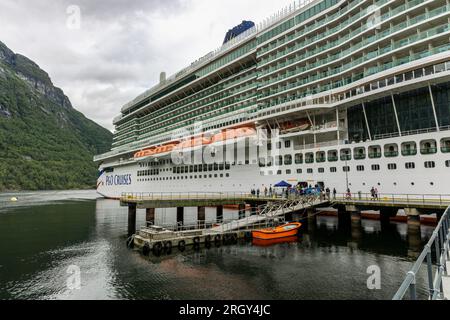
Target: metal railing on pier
{"x": 441, "y": 200}
{"x": 439, "y": 243}
{"x": 243, "y": 224}
{"x": 149, "y": 196}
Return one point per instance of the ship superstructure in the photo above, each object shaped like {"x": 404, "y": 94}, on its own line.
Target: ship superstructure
{"x": 349, "y": 94}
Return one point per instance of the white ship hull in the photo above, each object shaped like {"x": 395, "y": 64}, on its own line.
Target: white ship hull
{"x": 244, "y": 178}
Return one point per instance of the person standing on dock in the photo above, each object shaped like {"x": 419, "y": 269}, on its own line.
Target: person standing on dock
{"x": 334, "y": 193}
{"x": 258, "y": 192}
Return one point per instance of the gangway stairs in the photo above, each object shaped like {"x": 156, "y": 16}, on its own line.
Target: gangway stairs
{"x": 270, "y": 213}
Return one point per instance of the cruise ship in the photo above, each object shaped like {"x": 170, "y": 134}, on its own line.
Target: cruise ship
{"x": 341, "y": 94}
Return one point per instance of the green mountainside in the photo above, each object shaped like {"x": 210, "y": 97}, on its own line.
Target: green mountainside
{"x": 45, "y": 144}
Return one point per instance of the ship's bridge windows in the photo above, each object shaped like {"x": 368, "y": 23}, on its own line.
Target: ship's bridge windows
{"x": 359, "y": 153}
{"x": 333, "y": 155}
{"x": 391, "y": 150}
{"x": 374, "y": 152}
{"x": 320, "y": 156}
{"x": 428, "y": 147}
{"x": 287, "y": 160}
{"x": 409, "y": 148}
{"x": 346, "y": 155}
{"x": 309, "y": 157}
{"x": 445, "y": 145}
{"x": 298, "y": 158}
{"x": 430, "y": 164}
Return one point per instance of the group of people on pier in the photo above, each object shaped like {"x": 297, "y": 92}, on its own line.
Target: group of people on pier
{"x": 298, "y": 190}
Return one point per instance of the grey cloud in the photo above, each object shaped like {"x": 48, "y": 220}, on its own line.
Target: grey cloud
{"x": 122, "y": 45}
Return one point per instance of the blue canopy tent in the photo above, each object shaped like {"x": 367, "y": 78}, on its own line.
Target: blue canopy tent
{"x": 283, "y": 184}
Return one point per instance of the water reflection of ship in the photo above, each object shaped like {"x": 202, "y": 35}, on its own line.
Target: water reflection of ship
{"x": 269, "y": 243}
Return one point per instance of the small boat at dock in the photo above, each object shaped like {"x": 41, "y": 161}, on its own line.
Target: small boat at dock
{"x": 272, "y": 242}
{"x": 286, "y": 230}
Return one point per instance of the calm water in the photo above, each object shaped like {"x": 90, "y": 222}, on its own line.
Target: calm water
{"x": 45, "y": 233}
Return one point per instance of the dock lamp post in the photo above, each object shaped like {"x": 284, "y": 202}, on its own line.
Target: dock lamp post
{"x": 346, "y": 174}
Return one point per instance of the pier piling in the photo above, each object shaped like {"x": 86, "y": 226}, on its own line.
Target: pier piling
{"x": 242, "y": 211}
{"x": 131, "y": 219}
{"x": 219, "y": 214}
{"x": 201, "y": 216}
{"x": 180, "y": 215}
{"x": 150, "y": 216}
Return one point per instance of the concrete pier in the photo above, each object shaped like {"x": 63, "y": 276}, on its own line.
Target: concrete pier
{"x": 386, "y": 214}
{"x": 131, "y": 219}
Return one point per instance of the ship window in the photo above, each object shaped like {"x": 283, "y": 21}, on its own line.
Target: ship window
{"x": 279, "y": 172}
{"x": 287, "y": 160}
{"x": 288, "y": 171}
{"x": 298, "y": 158}
{"x": 216, "y": 167}
{"x": 221, "y": 167}
{"x": 333, "y": 169}
{"x": 310, "y": 171}
{"x": 447, "y": 163}
{"x": 392, "y": 166}
{"x": 376, "y": 167}
{"x": 210, "y": 167}
{"x": 227, "y": 166}
{"x": 227, "y": 175}
{"x": 321, "y": 170}
{"x": 346, "y": 169}
{"x": 300, "y": 171}
{"x": 410, "y": 165}
{"x": 278, "y": 160}
{"x": 287, "y": 144}
{"x": 430, "y": 164}
{"x": 360, "y": 168}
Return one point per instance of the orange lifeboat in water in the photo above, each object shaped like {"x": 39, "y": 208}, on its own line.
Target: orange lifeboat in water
{"x": 272, "y": 242}
{"x": 284, "y": 231}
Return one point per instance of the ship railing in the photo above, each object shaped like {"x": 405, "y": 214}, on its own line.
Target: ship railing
{"x": 410, "y": 133}
{"x": 440, "y": 200}
{"x": 439, "y": 246}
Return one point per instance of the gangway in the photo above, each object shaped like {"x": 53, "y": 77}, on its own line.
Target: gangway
{"x": 271, "y": 212}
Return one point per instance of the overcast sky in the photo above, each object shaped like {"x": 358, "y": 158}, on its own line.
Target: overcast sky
{"x": 121, "y": 46}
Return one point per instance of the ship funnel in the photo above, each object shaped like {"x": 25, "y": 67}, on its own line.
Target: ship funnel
{"x": 162, "y": 77}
